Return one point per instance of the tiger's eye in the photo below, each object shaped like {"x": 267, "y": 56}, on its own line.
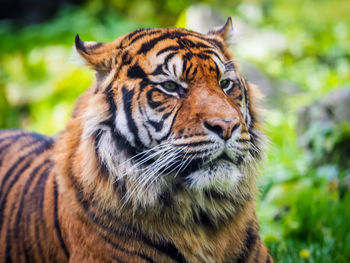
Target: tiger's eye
{"x": 224, "y": 83}
{"x": 170, "y": 85}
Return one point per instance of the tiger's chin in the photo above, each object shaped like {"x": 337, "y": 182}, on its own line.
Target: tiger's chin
{"x": 221, "y": 175}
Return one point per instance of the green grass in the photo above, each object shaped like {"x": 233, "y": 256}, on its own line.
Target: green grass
{"x": 316, "y": 223}
{"x": 302, "y": 211}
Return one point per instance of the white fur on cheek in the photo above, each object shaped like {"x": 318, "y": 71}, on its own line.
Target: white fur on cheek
{"x": 122, "y": 124}
{"x": 107, "y": 152}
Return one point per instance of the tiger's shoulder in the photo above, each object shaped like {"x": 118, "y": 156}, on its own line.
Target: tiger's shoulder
{"x": 20, "y": 148}
{"x": 23, "y": 139}
{"x": 27, "y": 189}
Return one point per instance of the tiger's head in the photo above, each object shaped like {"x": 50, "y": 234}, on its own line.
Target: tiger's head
{"x": 171, "y": 111}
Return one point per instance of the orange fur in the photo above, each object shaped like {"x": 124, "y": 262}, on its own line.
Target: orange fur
{"x": 85, "y": 196}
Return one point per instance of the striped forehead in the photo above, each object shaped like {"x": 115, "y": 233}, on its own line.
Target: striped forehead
{"x": 176, "y": 52}
{"x": 147, "y": 40}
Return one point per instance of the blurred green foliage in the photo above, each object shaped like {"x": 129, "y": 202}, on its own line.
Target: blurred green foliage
{"x": 304, "y": 207}
{"x": 38, "y": 79}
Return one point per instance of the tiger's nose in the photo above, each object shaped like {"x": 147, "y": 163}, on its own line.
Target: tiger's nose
{"x": 223, "y": 128}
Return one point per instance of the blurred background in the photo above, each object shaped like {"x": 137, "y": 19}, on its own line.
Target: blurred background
{"x": 296, "y": 51}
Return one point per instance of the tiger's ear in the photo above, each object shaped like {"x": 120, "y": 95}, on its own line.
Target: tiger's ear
{"x": 225, "y": 31}
{"x": 100, "y": 56}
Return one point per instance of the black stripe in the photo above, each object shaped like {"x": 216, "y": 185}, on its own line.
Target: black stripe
{"x": 22, "y": 200}
{"x": 130, "y": 35}
{"x": 199, "y": 44}
{"x": 149, "y": 45}
{"x": 217, "y": 43}
{"x": 9, "y": 242}
{"x": 127, "y": 101}
{"x": 157, "y": 125}
{"x": 212, "y": 52}
{"x": 239, "y": 97}
{"x": 166, "y": 115}
{"x": 136, "y": 72}
{"x": 174, "y": 70}
{"x": 153, "y": 104}
{"x": 13, "y": 136}
{"x": 166, "y": 60}
{"x": 194, "y": 73}
{"x": 249, "y": 243}
{"x": 163, "y": 108}
{"x": 56, "y": 221}
{"x": 185, "y": 43}
{"x": 26, "y": 188}
{"x": 171, "y": 125}
{"x": 159, "y": 71}
{"x": 40, "y": 193}
{"x": 187, "y": 72}
{"x": 242, "y": 140}
{"x": 20, "y": 160}
{"x": 213, "y": 194}
{"x": 95, "y": 46}
{"x": 166, "y": 198}
{"x": 184, "y": 64}
{"x": 188, "y": 55}
{"x": 217, "y": 71}
{"x": 216, "y": 55}
{"x": 166, "y": 248}
{"x": 202, "y": 56}
{"x": 112, "y": 107}
{"x": 141, "y": 35}
{"x": 126, "y": 58}
{"x": 239, "y": 160}
{"x": 3, "y": 148}
{"x": 169, "y": 48}
{"x": 202, "y": 218}
{"x": 122, "y": 144}
{"x": 127, "y": 251}
{"x": 33, "y": 154}
{"x": 193, "y": 144}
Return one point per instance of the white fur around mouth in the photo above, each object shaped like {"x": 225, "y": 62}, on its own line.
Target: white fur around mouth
{"x": 221, "y": 175}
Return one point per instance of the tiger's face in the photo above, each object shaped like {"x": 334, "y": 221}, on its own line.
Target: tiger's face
{"x": 179, "y": 108}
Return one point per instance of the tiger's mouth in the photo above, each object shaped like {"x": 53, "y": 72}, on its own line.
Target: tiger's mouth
{"x": 182, "y": 168}
{"x": 184, "y": 165}
{"x": 209, "y": 164}
{"x": 224, "y": 156}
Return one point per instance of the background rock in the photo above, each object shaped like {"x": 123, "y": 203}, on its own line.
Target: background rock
{"x": 330, "y": 110}
{"x": 324, "y": 129}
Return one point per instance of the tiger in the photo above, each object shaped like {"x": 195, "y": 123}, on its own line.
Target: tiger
{"x": 157, "y": 164}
